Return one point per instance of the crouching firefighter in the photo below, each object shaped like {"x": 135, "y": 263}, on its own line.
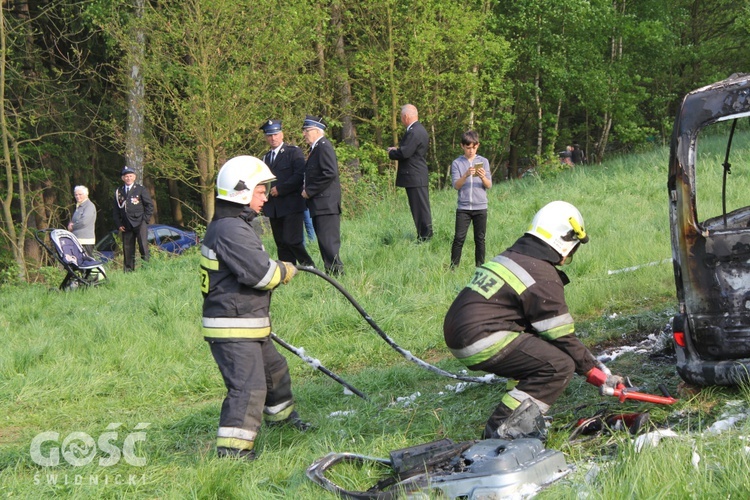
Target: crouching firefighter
{"x": 512, "y": 320}
{"x": 237, "y": 276}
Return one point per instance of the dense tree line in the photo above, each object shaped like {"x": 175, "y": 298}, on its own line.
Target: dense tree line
{"x": 175, "y": 87}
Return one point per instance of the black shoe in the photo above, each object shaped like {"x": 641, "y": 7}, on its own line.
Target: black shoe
{"x": 234, "y": 453}
{"x": 293, "y": 420}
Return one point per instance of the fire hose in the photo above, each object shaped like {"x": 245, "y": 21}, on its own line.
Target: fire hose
{"x": 489, "y": 379}
{"x": 317, "y": 365}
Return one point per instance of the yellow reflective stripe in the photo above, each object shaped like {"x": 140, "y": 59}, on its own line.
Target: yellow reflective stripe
{"x": 510, "y": 401}
{"x": 278, "y": 416}
{"x": 523, "y": 396}
{"x": 481, "y": 344}
{"x": 511, "y": 383}
{"x": 520, "y": 273}
{"x": 485, "y": 348}
{"x": 553, "y": 328}
{"x": 207, "y": 263}
{"x": 556, "y": 333}
{"x": 509, "y": 277}
{"x": 550, "y": 323}
{"x": 237, "y": 444}
{"x": 239, "y": 333}
{"x": 546, "y": 234}
{"x": 272, "y": 278}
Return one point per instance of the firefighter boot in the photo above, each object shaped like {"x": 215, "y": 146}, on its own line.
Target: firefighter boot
{"x": 500, "y": 415}
{"x": 526, "y": 421}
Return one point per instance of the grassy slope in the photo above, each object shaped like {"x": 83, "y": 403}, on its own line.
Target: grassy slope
{"x": 131, "y": 352}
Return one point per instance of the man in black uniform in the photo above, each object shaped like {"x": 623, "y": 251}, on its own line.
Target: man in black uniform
{"x": 132, "y": 213}
{"x": 322, "y": 190}
{"x": 285, "y": 206}
{"x": 412, "y": 171}
{"x": 237, "y": 276}
{"x": 512, "y": 320}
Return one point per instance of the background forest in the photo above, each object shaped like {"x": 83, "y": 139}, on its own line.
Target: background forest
{"x": 174, "y": 88}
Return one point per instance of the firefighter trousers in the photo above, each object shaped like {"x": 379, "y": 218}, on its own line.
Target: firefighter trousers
{"x": 257, "y": 379}
{"x": 537, "y": 370}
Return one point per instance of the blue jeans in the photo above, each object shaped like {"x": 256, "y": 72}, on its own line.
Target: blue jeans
{"x": 309, "y": 230}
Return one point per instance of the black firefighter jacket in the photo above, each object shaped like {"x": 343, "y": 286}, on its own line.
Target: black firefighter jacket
{"x": 520, "y": 290}
{"x": 237, "y": 276}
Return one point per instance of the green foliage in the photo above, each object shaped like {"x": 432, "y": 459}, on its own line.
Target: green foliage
{"x": 361, "y": 184}
{"x": 131, "y": 352}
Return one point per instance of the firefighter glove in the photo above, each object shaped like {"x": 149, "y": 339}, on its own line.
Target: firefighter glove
{"x": 599, "y": 378}
{"x": 613, "y": 381}
{"x": 291, "y": 270}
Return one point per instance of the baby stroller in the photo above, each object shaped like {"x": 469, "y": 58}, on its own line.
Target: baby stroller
{"x": 81, "y": 268}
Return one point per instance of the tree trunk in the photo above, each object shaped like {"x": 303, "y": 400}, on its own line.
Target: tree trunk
{"x": 206, "y": 185}
{"x": 134, "y": 142}
{"x": 149, "y": 184}
{"x": 348, "y": 129}
{"x": 174, "y": 202}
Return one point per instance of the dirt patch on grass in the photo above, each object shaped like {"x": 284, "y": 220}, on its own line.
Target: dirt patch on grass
{"x": 10, "y": 435}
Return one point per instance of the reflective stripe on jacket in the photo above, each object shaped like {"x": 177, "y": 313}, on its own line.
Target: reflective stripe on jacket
{"x": 237, "y": 275}
{"x": 510, "y": 294}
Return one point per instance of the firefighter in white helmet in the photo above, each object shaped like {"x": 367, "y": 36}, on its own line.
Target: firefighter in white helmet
{"x": 237, "y": 276}
{"x": 512, "y": 320}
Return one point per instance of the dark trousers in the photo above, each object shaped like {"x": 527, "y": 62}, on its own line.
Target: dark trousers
{"x": 287, "y": 233}
{"x": 257, "y": 380}
{"x": 328, "y": 231}
{"x": 463, "y": 219}
{"x": 129, "y": 237}
{"x": 543, "y": 372}
{"x": 419, "y": 204}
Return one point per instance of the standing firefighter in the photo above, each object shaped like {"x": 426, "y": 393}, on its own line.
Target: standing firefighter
{"x": 512, "y": 320}
{"x": 237, "y": 276}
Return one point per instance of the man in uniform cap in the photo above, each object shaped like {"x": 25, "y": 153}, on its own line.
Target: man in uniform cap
{"x": 285, "y": 206}
{"x": 132, "y": 212}
{"x": 322, "y": 190}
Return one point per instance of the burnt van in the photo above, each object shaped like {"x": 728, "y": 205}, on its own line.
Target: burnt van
{"x": 709, "y": 194}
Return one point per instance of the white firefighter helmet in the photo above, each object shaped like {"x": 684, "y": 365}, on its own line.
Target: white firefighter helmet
{"x": 560, "y": 225}
{"x": 238, "y": 177}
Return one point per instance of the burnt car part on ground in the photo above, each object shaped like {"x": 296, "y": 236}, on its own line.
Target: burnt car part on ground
{"x": 492, "y": 468}
{"x": 171, "y": 239}
{"x": 711, "y": 253}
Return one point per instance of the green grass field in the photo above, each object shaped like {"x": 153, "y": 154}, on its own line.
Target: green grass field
{"x": 108, "y": 378}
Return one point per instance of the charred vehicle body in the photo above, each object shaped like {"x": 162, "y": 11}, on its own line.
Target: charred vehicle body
{"x": 710, "y": 231}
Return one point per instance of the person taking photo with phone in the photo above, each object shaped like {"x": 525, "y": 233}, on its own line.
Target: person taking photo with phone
{"x": 470, "y": 175}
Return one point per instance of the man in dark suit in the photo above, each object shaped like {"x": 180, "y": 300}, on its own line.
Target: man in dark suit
{"x": 412, "y": 170}
{"x": 285, "y": 206}
{"x": 322, "y": 190}
{"x": 132, "y": 213}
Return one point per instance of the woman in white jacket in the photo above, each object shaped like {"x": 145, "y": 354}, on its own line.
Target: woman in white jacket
{"x": 84, "y": 219}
